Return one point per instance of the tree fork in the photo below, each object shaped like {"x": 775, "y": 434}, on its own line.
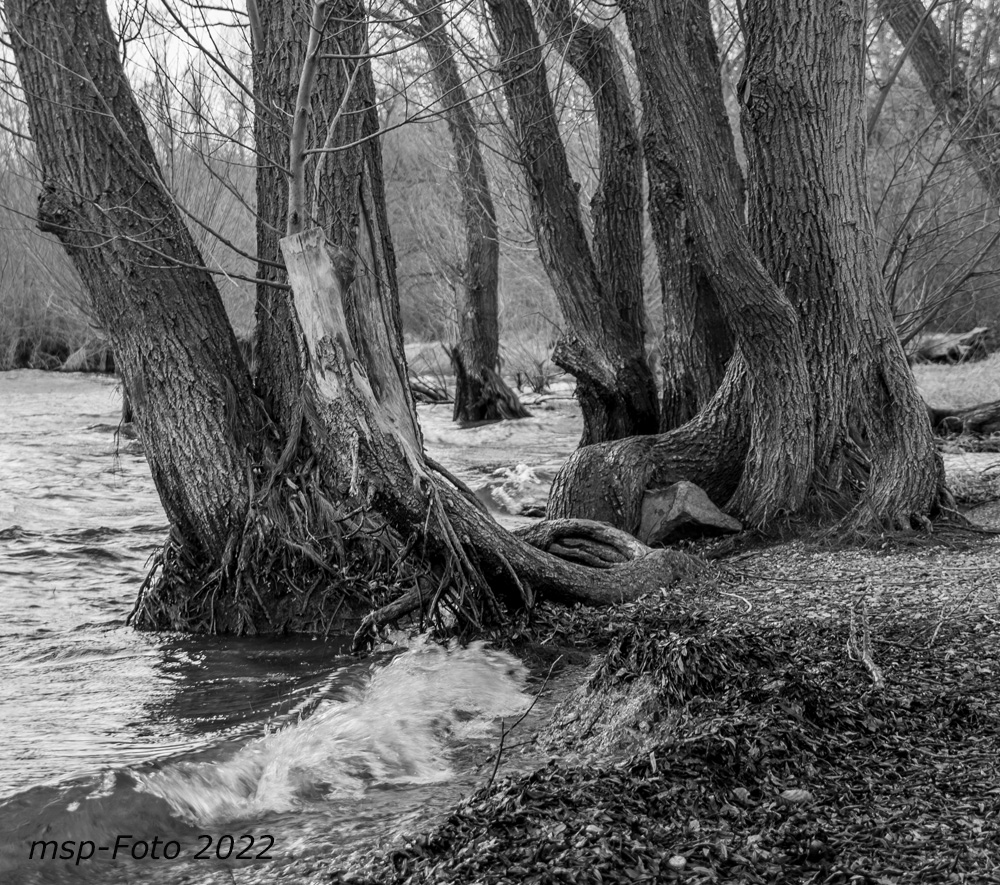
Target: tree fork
{"x": 602, "y": 345}
{"x": 478, "y": 562}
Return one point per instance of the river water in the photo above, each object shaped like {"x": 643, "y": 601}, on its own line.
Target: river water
{"x": 248, "y": 759}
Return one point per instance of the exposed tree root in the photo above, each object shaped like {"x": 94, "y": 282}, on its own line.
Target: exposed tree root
{"x": 296, "y": 566}
{"x": 595, "y": 544}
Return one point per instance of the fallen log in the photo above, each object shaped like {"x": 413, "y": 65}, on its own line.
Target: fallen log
{"x": 983, "y": 419}
{"x": 951, "y": 347}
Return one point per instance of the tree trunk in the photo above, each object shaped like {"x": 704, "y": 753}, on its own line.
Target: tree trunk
{"x": 829, "y": 417}
{"x": 804, "y": 79}
{"x": 616, "y": 207}
{"x": 970, "y": 117}
{"x": 696, "y": 340}
{"x": 603, "y": 344}
{"x": 480, "y": 394}
{"x": 348, "y": 506}
{"x": 475, "y": 562}
{"x": 696, "y": 344}
{"x": 344, "y": 182}
{"x": 763, "y": 405}
{"x": 103, "y": 197}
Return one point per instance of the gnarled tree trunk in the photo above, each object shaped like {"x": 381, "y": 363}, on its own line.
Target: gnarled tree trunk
{"x": 270, "y": 523}
{"x": 804, "y": 79}
{"x": 103, "y": 197}
{"x": 754, "y": 435}
{"x": 603, "y": 343}
{"x": 818, "y": 394}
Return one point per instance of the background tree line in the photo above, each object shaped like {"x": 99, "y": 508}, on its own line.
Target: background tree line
{"x": 934, "y": 219}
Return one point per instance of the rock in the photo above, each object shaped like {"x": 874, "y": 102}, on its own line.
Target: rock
{"x": 682, "y": 509}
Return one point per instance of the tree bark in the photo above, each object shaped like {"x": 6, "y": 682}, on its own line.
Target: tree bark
{"x": 603, "y": 344}
{"x": 103, "y": 197}
{"x": 763, "y": 406}
{"x": 480, "y": 394}
{"x": 971, "y": 118}
{"x": 803, "y": 80}
{"x": 476, "y": 561}
{"x": 828, "y": 417}
{"x": 616, "y": 207}
{"x": 344, "y": 179}
{"x": 696, "y": 340}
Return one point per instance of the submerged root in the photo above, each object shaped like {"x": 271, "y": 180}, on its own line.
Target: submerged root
{"x": 298, "y": 564}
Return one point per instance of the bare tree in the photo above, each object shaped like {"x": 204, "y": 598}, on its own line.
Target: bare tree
{"x": 480, "y": 394}
{"x": 603, "y": 344}
{"x": 975, "y": 122}
{"x": 295, "y": 522}
{"x": 818, "y": 408}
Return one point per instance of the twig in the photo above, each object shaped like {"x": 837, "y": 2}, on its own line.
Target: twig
{"x": 860, "y": 648}
{"x": 742, "y": 599}
{"x": 506, "y": 731}
{"x": 297, "y": 146}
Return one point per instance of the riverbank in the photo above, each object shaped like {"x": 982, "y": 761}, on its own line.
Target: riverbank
{"x": 803, "y": 715}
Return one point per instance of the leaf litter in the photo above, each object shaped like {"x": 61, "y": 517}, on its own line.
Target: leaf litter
{"x": 724, "y": 734}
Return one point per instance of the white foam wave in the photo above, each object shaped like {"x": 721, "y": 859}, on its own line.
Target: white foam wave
{"x": 397, "y": 729}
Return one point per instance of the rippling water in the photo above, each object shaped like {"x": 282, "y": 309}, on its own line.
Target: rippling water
{"x": 107, "y": 733}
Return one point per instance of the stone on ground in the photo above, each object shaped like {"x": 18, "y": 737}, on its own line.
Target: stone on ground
{"x": 681, "y": 510}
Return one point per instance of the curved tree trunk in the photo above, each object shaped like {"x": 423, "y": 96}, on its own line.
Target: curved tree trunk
{"x": 828, "y": 417}
{"x": 803, "y": 79}
{"x": 697, "y": 343}
{"x": 972, "y": 119}
{"x": 257, "y": 538}
{"x": 764, "y": 399}
{"x": 103, "y": 197}
{"x": 603, "y": 344}
{"x": 477, "y": 562}
{"x": 480, "y": 394}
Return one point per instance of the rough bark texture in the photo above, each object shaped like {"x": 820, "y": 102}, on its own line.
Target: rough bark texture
{"x": 603, "y": 344}
{"x": 776, "y": 391}
{"x": 267, "y": 535}
{"x": 481, "y": 394}
{"x": 481, "y": 562}
{"x": 344, "y": 177}
{"x": 972, "y": 118}
{"x": 834, "y": 421}
{"x": 696, "y": 340}
{"x": 802, "y": 82}
{"x": 104, "y": 198}
{"x": 616, "y": 207}
{"x": 764, "y": 398}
